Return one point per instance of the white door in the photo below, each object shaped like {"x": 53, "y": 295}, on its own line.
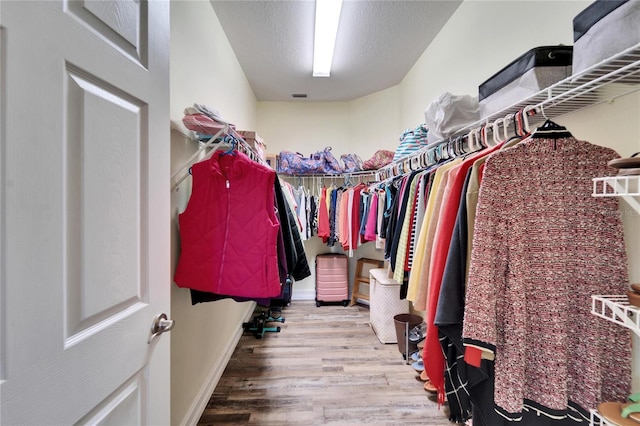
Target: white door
{"x": 84, "y": 260}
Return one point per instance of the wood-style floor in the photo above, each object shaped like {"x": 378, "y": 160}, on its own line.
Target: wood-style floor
{"x": 325, "y": 366}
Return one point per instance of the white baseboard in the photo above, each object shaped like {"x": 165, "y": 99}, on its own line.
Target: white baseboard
{"x": 202, "y": 398}
{"x": 303, "y": 295}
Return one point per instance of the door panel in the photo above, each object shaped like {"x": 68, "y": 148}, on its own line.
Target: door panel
{"x": 85, "y": 222}
{"x": 104, "y": 198}
{"x": 123, "y": 406}
{"x": 123, "y": 24}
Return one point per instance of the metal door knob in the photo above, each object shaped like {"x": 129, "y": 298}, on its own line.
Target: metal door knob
{"x": 159, "y": 325}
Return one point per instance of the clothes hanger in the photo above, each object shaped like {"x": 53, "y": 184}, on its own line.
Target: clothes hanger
{"x": 550, "y": 129}
{"x": 449, "y": 148}
{"x": 484, "y": 138}
{"x": 415, "y": 163}
{"x": 477, "y": 138}
{"x": 234, "y": 144}
{"x": 518, "y": 123}
{"x": 460, "y": 146}
{"x": 453, "y": 147}
{"x": 505, "y": 125}
{"x": 496, "y": 131}
{"x": 473, "y": 140}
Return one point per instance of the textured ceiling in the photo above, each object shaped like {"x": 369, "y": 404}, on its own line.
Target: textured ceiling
{"x": 378, "y": 42}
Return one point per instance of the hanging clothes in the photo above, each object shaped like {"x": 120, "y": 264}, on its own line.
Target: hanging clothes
{"x": 365, "y": 205}
{"x": 296, "y": 259}
{"x": 401, "y": 232}
{"x": 324, "y": 229}
{"x": 542, "y": 246}
{"x": 300, "y": 198}
{"x": 394, "y": 196}
{"x": 371, "y": 229}
{"x": 380, "y": 238}
{"x": 472, "y": 194}
{"x": 450, "y": 314}
{"x": 432, "y": 354}
{"x": 418, "y": 218}
{"x": 419, "y": 277}
{"x": 451, "y": 303}
{"x": 231, "y": 204}
{"x": 289, "y": 196}
{"x": 313, "y": 216}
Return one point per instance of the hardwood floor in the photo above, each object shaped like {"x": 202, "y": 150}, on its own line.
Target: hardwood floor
{"x": 326, "y": 366}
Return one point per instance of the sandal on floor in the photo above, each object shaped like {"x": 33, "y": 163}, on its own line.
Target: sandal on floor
{"x": 422, "y": 376}
{"x": 418, "y": 366}
{"x": 428, "y": 386}
{"x": 620, "y": 414}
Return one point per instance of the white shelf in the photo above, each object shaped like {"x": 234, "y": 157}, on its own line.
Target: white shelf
{"x": 603, "y": 82}
{"x": 612, "y": 78}
{"x": 616, "y": 186}
{"x": 616, "y": 308}
{"x": 626, "y": 187}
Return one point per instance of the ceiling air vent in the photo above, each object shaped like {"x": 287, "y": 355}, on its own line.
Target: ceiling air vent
{"x": 299, "y": 95}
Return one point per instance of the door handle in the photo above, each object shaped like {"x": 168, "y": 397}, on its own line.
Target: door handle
{"x": 159, "y": 325}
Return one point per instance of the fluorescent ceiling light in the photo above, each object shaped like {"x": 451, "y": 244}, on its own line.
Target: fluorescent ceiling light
{"x": 327, "y": 18}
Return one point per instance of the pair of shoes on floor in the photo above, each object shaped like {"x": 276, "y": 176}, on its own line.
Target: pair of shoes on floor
{"x": 428, "y": 386}
{"x": 418, "y": 333}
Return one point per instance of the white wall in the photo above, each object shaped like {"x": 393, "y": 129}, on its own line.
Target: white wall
{"x": 203, "y": 70}
{"x": 361, "y": 126}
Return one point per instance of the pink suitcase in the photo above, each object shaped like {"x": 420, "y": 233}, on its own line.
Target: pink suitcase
{"x": 332, "y": 279}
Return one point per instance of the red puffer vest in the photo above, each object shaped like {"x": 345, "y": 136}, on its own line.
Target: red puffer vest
{"x": 229, "y": 230}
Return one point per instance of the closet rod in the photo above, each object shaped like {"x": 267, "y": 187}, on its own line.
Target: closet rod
{"x": 408, "y": 163}
{"x": 539, "y": 111}
{"x": 336, "y": 176}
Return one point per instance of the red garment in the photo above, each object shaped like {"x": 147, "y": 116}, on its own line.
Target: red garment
{"x": 432, "y": 354}
{"x": 324, "y": 228}
{"x": 229, "y": 230}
